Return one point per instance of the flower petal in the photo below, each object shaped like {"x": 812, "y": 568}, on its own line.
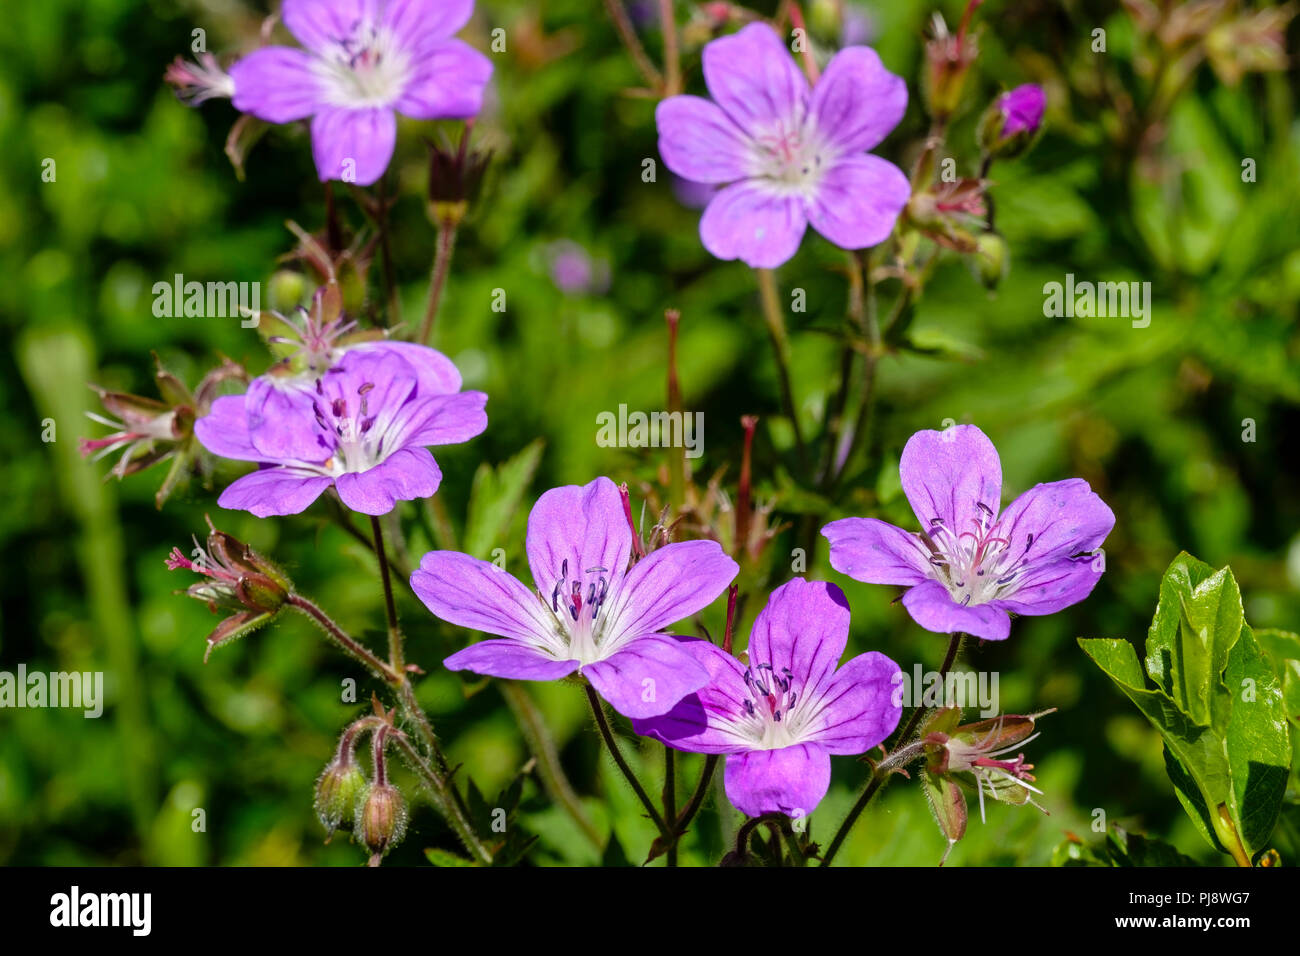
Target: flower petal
{"x": 791, "y": 780}
{"x": 858, "y": 201}
{"x": 669, "y": 585}
{"x": 406, "y": 475}
{"x": 509, "y": 659}
{"x": 447, "y": 82}
{"x": 705, "y": 722}
{"x": 948, "y": 474}
{"x": 282, "y": 424}
{"x": 932, "y": 607}
{"x": 436, "y": 374}
{"x": 1048, "y": 587}
{"x": 804, "y": 627}
{"x": 476, "y": 594}
{"x": 699, "y": 141}
{"x": 352, "y": 145}
{"x": 322, "y": 24}
{"x": 276, "y": 84}
{"x": 647, "y": 677}
{"x": 746, "y": 222}
{"x": 1054, "y": 520}
{"x": 583, "y": 526}
{"x": 857, "y": 102}
{"x": 874, "y": 551}
{"x": 274, "y": 491}
{"x": 753, "y": 77}
{"x": 446, "y": 419}
{"x": 859, "y": 707}
{"x": 224, "y": 430}
{"x": 426, "y": 19}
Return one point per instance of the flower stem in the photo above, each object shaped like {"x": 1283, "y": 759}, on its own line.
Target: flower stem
{"x": 351, "y": 647}
{"x": 697, "y": 798}
{"x": 882, "y": 773}
{"x": 670, "y": 800}
{"x": 395, "y": 656}
{"x": 446, "y": 800}
{"x": 627, "y": 33}
{"x": 602, "y": 723}
{"x": 672, "y": 60}
{"x": 775, "y": 320}
{"x": 445, "y": 243}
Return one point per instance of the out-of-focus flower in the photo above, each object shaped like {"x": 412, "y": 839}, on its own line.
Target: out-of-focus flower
{"x": 780, "y": 716}
{"x": 455, "y": 176}
{"x": 1011, "y": 122}
{"x": 573, "y": 269}
{"x": 199, "y": 82}
{"x": 970, "y": 567}
{"x": 791, "y": 155}
{"x": 948, "y": 59}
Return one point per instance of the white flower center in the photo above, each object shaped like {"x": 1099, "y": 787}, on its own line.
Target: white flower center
{"x": 578, "y": 604}
{"x": 774, "y": 712}
{"x": 791, "y": 156}
{"x": 975, "y": 565}
{"x": 369, "y": 69}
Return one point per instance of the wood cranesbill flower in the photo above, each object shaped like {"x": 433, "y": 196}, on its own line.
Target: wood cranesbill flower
{"x": 780, "y": 716}
{"x": 970, "y": 566}
{"x": 791, "y": 155}
{"x": 364, "y": 427}
{"x": 590, "y": 613}
{"x": 364, "y": 62}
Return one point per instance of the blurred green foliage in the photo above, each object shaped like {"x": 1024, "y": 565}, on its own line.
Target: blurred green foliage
{"x": 1156, "y": 418}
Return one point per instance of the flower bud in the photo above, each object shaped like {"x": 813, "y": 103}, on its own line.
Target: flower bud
{"x": 455, "y": 177}
{"x": 991, "y": 258}
{"x": 339, "y": 791}
{"x": 948, "y": 59}
{"x": 381, "y": 818}
{"x": 1012, "y": 121}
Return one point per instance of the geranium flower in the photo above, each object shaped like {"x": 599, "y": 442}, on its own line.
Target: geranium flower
{"x": 792, "y": 155}
{"x": 364, "y": 62}
{"x": 590, "y": 613}
{"x": 781, "y": 716}
{"x": 969, "y": 566}
{"x": 363, "y": 427}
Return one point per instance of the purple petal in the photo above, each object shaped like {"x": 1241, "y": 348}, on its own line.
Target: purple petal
{"x": 436, "y": 374}
{"x": 857, "y": 102}
{"x": 353, "y": 145}
{"x": 478, "y": 595}
{"x": 406, "y": 475}
{"x": 509, "y": 659}
{"x": 447, "y": 83}
{"x": 1022, "y": 109}
{"x": 583, "y": 525}
{"x": 932, "y": 607}
{"x": 948, "y": 474}
{"x": 791, "y": 780}
{"x": 699, "y": 141}
{"x": 274, "y": 491}
{"x": 224, "y": 430}
{"x": 1063, "y": 518}
{"x": 424, "y": 20}
{"x": 322, "y": 24}
{"x": 858, "y": 201}
{"x": 1051, "y": 587}
{"x": 870, "y": 550}
{"x": 804, "y": 627}
{"x": 647, "y": 677}
{"x": 282, "y": 424}
{"x": 276, "y": 84}
{"x": 447, "y": 419}
{"x": 706, "y": 721}
{"x": 753, "y": 77}
{"x": 859, "y": 707}
{"x": 746, "y": 222}
{"x": 669, "y": 585}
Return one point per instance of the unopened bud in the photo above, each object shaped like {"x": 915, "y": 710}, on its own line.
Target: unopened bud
{"x": 338, "y": 793}
{"x": 1012, "y": 121}
{"x": 381, "y": 818}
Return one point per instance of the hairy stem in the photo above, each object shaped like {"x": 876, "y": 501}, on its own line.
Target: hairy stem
{"x": 775, "y": 319}
{"x": 627, "y": 33}
{"x": 350, "y": 646}
{"x": 446, "y": 800}
{"x": 443, "y": 247}
{"x": 607, "y": 733}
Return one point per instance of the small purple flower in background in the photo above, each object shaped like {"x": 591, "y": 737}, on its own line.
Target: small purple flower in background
{"x": 780, "y": 718}
{"x": 365, "y": 61}
{"x": 857, "y": 27}
{"x": 590, "y": 613}
{"x": 574, "y": 271}
{"x": 791, "y": 156}
{"x": 969, "y": 565}
{"x": 1022, "y": 109}
{"x": 363, "y": 427}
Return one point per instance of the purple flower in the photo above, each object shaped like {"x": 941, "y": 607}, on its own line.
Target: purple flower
{"x": 590, "y": 613}
{"x": 792, "y": 155}
{"x": 364, "y": 61}
{"x": 363, "y": 426}
{"x": 574, "y": 271}
{"x": 1022, "y": 109}
{"x": 780, "y": 718}
{"x": 969, "y": 566}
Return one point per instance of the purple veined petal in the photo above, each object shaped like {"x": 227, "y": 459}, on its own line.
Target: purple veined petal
{"x": 804, "y": 627}
{"x": 435, "y": 373}
{"x": 224, "y": 430}
{"x": 320, "y": 25}
{"x": 747, "y": 222}
{"x": 445, "y": 419}
{"x": 276, "y": 84}
{"x": 700, "y": 142}
{"x": 509, "y": 659}
{"x": 874, "y": 551}
{"x": 857, "y": 102}
{"x": 382, "y": 379}
{"x": 282, "y": 490}
{"x": 1055, "y": 520}
{"x": 478, "y": 595}
{"x": 415, "y": 22}
{"x": 948, "y": 475}
{"x": 857, "y": 708}
{"x": 647, "y": 677}
{"x": 1048, "y": 587}
{"x": 791, "y": 780}
{"x": 753, "y": 77}
{"x": 406, "y": 475}
{"x": 282, "y": 424}
{"x": 932, "y": 607}
{"x": 353, "y": 145}
{"x": 447, "y": 82}
{"x": 705, "y": 721}
{"x": 670, "y": 584}
{"x": 858, "y": 200}
{"x": 576, "y": 529}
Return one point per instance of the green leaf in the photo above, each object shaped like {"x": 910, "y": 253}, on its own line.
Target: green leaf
{"x": 495, "y": 497}
{"x": 1120, "y": 848}
{"x": 444, "y": 858}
